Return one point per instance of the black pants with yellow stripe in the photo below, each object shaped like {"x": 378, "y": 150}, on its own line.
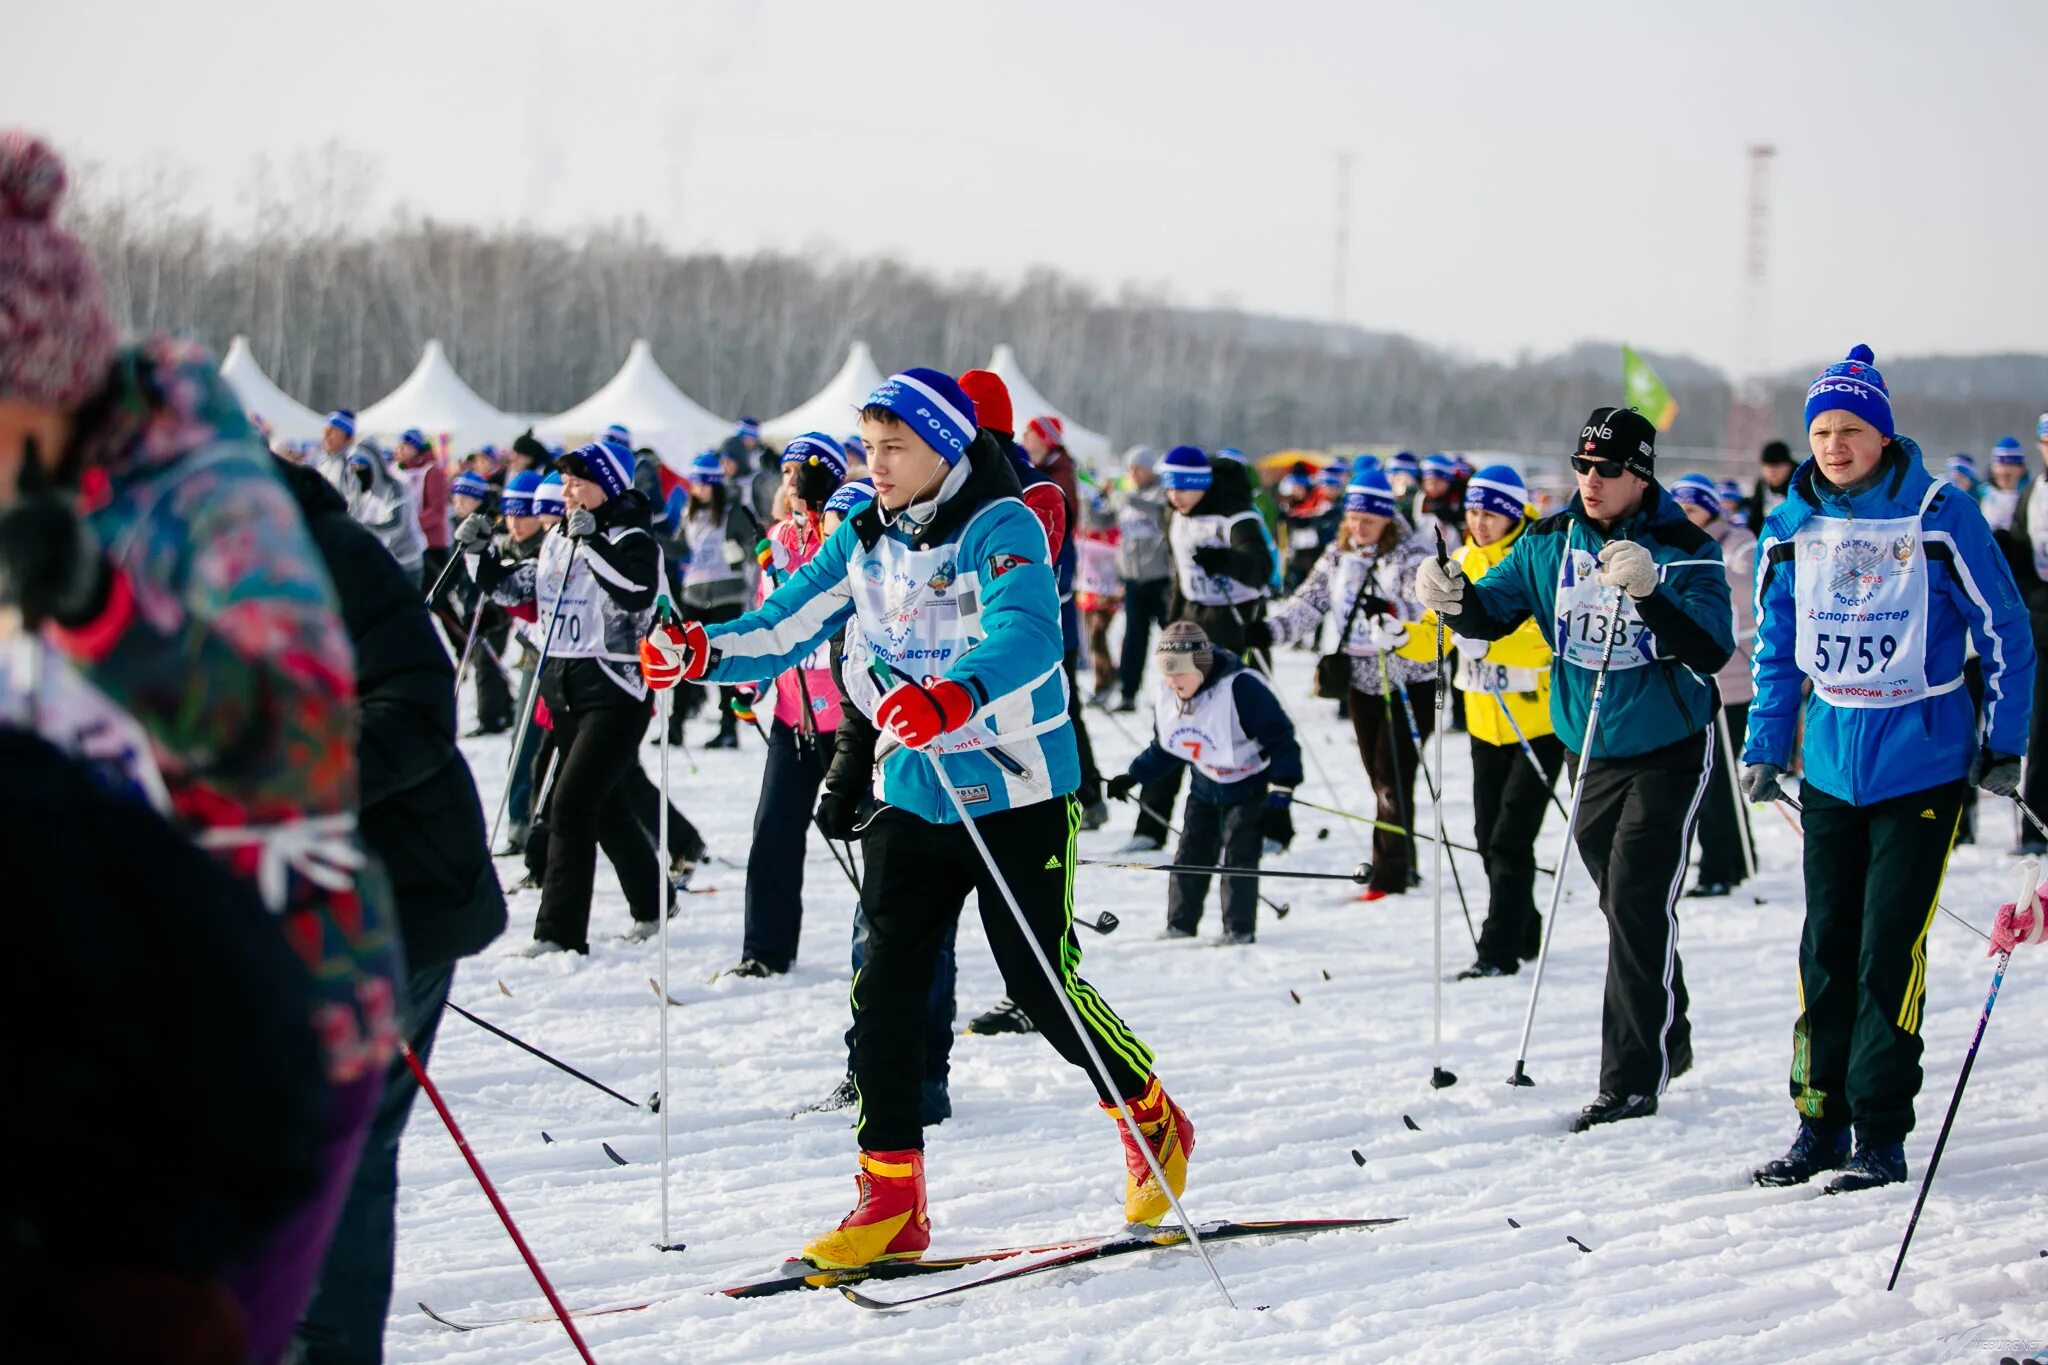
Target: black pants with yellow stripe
{"x": 1872, "y": 875}
{"x": 917, "y": 878}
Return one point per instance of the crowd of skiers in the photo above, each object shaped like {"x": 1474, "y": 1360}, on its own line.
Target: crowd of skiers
{"x": 247, "y": 660}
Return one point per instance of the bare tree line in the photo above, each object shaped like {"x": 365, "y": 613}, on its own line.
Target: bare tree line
{"x": 337, "y": 311}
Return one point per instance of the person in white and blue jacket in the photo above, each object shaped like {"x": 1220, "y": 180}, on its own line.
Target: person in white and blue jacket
{"x": 1622, "y": 561}
{"x": 1872, "y": 577}
{"x": 1223, "y": 721}
{"x": 954, "y": 649}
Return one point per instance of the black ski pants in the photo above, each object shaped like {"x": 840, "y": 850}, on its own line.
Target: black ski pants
{"x": 1510, "y": 799}
{"x": 917, "y": 878}
{"x": 587, "y": 807}
{"x": 1218, "y": 836}
{"x": 1873, "y": 873}
{"x": 1144, "y": 608}
{"x": 1636, "y": 820}
{"x": 782, "y": 829}
{"x": 1388, "y": 751}
{"x": 1724, "y": 819}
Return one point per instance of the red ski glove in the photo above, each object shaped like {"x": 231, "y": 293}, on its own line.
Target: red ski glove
{"x": 918, "y": 715}
{"x": 672, "y": 654}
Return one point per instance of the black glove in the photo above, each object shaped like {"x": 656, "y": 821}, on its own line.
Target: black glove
{"x": 1258, "y": 635}
{"x": 364, "y": 476}
{"x": 1374, "y": 605}
{"x": 815, "y": 484}
{"x": 474, "y": 533}
{"x": 838, "y": 813}
{"x": 50, "y": 564}
{"x": 1996, "y": 773}
{"x": 1276, "y": 822}
{"x": 1213, "y": 559}
{"x": 1119, "y": 787}
{"x": 580, "y": 523}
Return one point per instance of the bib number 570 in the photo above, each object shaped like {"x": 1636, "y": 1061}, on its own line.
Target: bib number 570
{"x": 1838, "y": 653}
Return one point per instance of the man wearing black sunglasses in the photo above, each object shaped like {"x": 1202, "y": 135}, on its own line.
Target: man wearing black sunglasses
{"x": 1621, "y": 584}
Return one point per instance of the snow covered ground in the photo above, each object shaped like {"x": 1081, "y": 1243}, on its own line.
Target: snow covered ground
{"x": 1678, "y": 1256}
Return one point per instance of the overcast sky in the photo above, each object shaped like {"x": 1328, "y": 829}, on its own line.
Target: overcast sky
{"x": 1526, "y": 175}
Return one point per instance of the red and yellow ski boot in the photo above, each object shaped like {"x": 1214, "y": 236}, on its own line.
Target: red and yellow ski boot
{"x": 1171, "y": 1136}
{"x": 888, "y": 1223}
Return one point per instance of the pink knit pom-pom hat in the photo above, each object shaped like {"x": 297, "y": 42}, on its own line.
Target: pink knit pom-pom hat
{"x": 57, "y": 337}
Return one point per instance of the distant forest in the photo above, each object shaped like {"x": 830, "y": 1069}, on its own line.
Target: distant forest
{"x": 337, "y": 311}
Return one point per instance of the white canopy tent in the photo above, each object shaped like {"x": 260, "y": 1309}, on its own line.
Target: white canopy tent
{"x": 435, "y": 399}
{"x": 1090, "y": 448}
{"x": 259, "y": 395}
{"x": 644, "y": 400}
{"x": 834, "y": 409}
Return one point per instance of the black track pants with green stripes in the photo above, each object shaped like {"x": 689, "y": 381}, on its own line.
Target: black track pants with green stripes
{"x": 1872, "y": 875}
{"x": 917, "y": 878}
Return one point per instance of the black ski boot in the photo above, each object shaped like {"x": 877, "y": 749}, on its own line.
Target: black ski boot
{"x": 1608, "y": 1107}
{"x": 1482, "y": 968}
{"x": 1873, "y": 1165}
{"x": 1004, "y": 1017}
{"x": 1813, "y": 1150}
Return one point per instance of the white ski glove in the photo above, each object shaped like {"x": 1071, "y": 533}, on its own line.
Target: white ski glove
{"x": 1469, "y": 648}
{"x": 1386, "y": 633}
{"x": 1626, "y": 565}
{"x": 1440, "y": 587}
{"x": 474, "y": 533}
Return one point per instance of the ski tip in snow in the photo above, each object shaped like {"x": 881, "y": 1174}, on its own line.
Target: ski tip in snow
{"x": 1440, "y": 1079}
{"x": 1513, "y": 1224}
{"x": 617, "y": 1160}
{"x": 1296, "y": 995}
{"x": 1413, "y": 1126}
{"x": 1326, "y": 974}
{"x": 1580, "y": 1245}
{"x": 503, "y": 989}
{"x": 545, "y": 1138}
{"x": 1359, "y": 1157}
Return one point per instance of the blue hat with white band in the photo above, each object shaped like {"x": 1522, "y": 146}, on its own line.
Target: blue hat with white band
{"x": 1498, "y": 488}
{"x": 1371, "y": 494}
{"x": 849, "y": 498}
{"x": 547, "y": 497}
{"x": 1440, "y": 466}
{"x": 2008, "y": 451}
{"x": 1697, "y": 490}
{"x": 1185, "y": 467}
{"x": 706, "y": 468}
{"x": 519, "y": 491}
{"x": 815, "y": 447}
{"x": 603, "y": 464}
{"x": 933, "y": 405}
{"x": 468, "y": 485}
{"x": 344, "y": 420}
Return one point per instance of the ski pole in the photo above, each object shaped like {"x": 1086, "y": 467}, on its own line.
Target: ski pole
{"x": 476, "y": 1167}
{"x": 1279, "y": 910}
{"x": 441, "y": 581}
{"x": 1571, "y": 820}
{"x": 1358, "y": 876}
{"x": 1422, "y": 768}
{"x": 1548, "y": 779}
{"x": 526, "y": 716}
{"x": 469, "y": 644}
{"x": 1735, "y": 793}
{"x": 1438, "y": 1077}
{"x": 488, "y": 1027}
{"x": 1109, "y": 1086}
{"x": 664, "y": 698}
{"x": 2030, "y": 872}
{"x": 1392, "y": 828}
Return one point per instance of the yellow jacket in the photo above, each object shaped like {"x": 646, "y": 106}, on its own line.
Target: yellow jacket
{"x": 1523, "y": 648}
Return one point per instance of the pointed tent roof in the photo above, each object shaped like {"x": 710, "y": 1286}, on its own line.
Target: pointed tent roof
{"x": 435, "y": 399}
{"x": 834, "y": 409}
{"x": 647, "y": 403}
{"x": 259, "y": 395}
{"x": 1090, "y": 448}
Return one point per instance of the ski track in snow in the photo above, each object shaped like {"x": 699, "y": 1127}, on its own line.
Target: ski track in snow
{"x": 1687, "y": 1260}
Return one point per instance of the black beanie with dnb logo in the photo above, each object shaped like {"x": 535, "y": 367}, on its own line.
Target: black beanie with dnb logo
{"x": 1621, "y": 434}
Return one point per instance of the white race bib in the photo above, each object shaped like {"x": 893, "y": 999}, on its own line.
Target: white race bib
{"x": 1205, "y": 732}
{"x": 1475, "y": 674}
{"x": 1585, "y": 617}
{"x": 1860, "y": 588}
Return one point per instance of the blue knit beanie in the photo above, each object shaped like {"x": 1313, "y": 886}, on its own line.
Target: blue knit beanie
{"x": 706, "y": 468}
{"x": 815, "y": 447}
{"x": 344, "y": 419}
{"x": 617, "y": 435}
{"x": 932, "y": 404}
{"x": 468, "y": 485}
{"x": 1499, "y": 488}
{"x": 1230, "y": 453}
{"x": 1406, "y": 463}
{"x": 1332, "y": 475}
{"x": 1371, "y": 493}
{"x": 604, "y": 465}
{"x": 1853, "y": 385}
{"x": 1440, "y": 466}
{"x": 547, "y": 497}
{"x": 748, "y": 427}
{"x": 2008, "y": 451}
{"x": 1960, "y": 463}
{"x": 519, "y": 490}
{"x": 849, "y": 498}
{"x": 1697, "y": 490}
{"x": 1185, "y": 467}
{"x": 413, "y": 437}
{"x": 1363, "y": 461}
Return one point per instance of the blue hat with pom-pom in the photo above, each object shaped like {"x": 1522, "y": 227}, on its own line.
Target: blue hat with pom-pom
{"x": 342, "y": 420}
{"x": 1371, "y": 494}
{"x": 1406, "y": 463}
{"x": 1853, "y": 385}
{"x": 815, "y": 447}
{"x": 933, "y": 405}
{"x": 2008, "y": 451}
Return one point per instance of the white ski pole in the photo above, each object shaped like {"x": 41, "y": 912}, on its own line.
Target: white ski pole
{"x": 1123, "y": 1110}
{"x": 664, "y": 699}
{"x": 526, "y": 715}
{"x": 1735, "y": 791}
{"x": 1438, "y": 1077}
{"x": 1571, "y": 821}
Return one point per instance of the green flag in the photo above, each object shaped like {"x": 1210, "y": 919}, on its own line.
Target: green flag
{"x": 1646, "y": 392}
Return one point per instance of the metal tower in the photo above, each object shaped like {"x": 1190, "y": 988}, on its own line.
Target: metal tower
{"x": 1749, "y": 408}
